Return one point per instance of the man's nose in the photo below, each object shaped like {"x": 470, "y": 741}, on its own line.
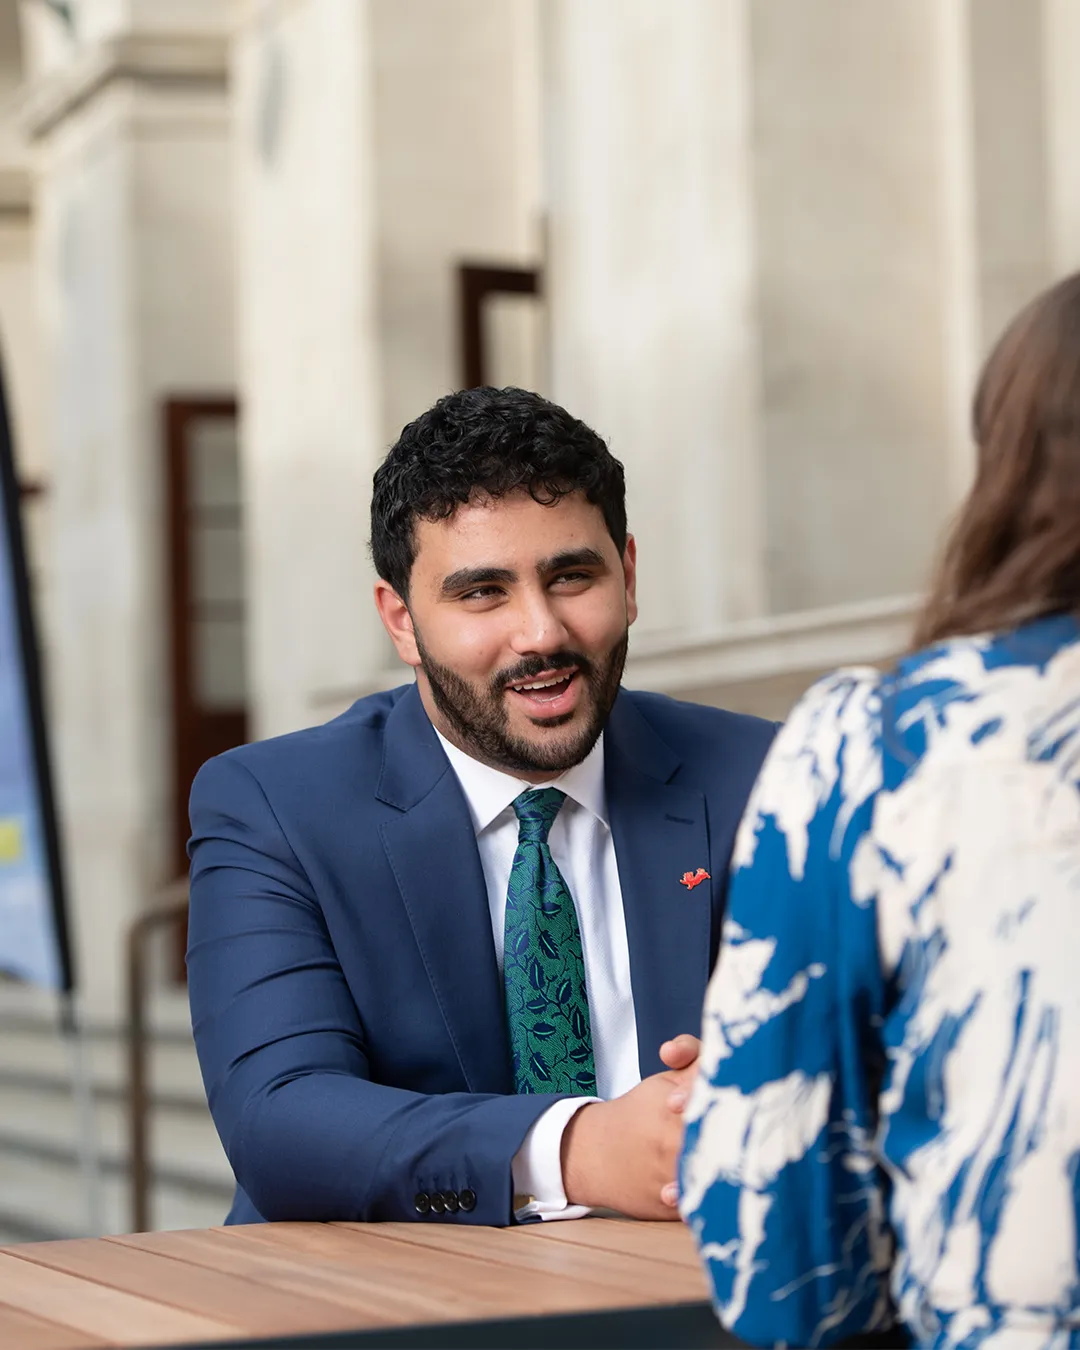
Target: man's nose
{"x": 539, "y": 628}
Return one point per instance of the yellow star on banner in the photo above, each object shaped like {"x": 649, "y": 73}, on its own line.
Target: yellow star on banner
{"x": 11, "y": 840}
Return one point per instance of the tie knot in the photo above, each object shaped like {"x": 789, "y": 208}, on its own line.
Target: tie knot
{"x": 536, "y": 810}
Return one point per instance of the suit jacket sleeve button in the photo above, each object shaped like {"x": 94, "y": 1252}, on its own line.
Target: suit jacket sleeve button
{"x": 422, "y": 1202}
{"x": 438, "y": 1203}
{"x": 467, "y": 1200}
{"x": 450, "y": 1199}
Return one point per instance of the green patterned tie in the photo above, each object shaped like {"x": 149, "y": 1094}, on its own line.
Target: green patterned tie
{"x": 547, "y": 1006}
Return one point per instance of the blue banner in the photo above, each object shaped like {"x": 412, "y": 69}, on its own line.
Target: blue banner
{"x": 33, "y": 929}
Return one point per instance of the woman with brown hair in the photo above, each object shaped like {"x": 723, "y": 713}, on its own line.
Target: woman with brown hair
{"x": 886, "y": 1122}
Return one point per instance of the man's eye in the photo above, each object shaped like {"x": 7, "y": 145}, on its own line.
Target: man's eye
{"x": 480, "y": 593}
{"x": 571, "y": 578}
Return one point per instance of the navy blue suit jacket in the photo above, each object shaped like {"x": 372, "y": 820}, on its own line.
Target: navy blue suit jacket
{"x": 345, "y": 996}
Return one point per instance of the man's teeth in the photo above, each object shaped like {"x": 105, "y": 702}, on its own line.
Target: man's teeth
{"x": 546, "y": 684}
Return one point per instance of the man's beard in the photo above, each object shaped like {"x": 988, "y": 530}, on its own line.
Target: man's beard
{"x": 481, "y": 723}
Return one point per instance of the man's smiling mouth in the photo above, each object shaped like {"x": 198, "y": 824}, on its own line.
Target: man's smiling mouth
{"x": 544, "y": 690}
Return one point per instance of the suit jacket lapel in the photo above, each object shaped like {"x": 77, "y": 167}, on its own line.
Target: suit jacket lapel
{"x": 431, "y": 848}
{"x": 660, "y": 831}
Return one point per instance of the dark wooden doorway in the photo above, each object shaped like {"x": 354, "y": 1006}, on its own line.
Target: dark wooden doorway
{"x": 206, "y": 592}
{"x": 477, "y": 284}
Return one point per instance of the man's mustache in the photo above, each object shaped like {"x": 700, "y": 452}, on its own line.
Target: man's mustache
{"x": 531, "y": 666}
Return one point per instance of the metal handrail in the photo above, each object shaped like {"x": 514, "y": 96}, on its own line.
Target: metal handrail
{"x": 170, "y": 908}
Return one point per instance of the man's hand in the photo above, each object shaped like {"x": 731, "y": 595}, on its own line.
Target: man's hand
{"x": 622, "y": 1154}
{"x": 681, "y": 1053}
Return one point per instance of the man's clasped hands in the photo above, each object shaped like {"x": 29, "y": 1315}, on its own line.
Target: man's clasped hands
{"x": 623, "y": 1154}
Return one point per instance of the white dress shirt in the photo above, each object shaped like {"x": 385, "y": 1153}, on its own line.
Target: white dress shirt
{"x": 583, "y": 850}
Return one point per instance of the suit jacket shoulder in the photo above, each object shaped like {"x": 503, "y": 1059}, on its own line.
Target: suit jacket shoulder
{"x": 360, "y": 726}
{"x": 345, "y": 757}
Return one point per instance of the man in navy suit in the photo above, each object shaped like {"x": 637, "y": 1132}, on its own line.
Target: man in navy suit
{"x": 448, "y": 952}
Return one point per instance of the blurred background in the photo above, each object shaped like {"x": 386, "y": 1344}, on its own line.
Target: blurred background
{"x": 761, "y": 245}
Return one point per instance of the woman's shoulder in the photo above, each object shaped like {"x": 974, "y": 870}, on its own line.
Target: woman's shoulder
{"x": 965, "y": 689}
{"x": 860, "y": 728}
{"x": 823, "y": 764}
{"x": 956, "y": 698}
{"x": 977, "y": 659}
{"x": 955, "y": 669}
{"x": 838, "y": 709}
{"x": 849, "y": 692}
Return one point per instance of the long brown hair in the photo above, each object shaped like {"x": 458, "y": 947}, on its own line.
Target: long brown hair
{"x": 1014, "y": 551}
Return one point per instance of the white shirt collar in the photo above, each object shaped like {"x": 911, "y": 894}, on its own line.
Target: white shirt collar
{"x": 490, "y": 791}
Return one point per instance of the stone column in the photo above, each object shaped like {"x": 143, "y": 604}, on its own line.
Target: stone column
{"x": 19, "y": 326}
{"x": 848, "y": 188}
{"x": 652, "y": 285}
{"x": 133, "y": 182}
{"x": 310, "y": 376}
{"x": 902, "y": 205}
{"x": 457, "y": 179}
{"x": 1061, "y": 57}
{"x": 1005, "y": 103}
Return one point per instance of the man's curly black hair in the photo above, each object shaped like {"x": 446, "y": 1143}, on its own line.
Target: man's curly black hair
{"x": 492, "y": 442}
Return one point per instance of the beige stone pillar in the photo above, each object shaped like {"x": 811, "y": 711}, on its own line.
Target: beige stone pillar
{"x": 19, "y": 319}
{"x": 309, "y": 381}
{"x": 1061, "y": 59}
{"x": 848, "y": 190}
{"x": 457, "y": 179}
{"x": 133, "y": 200}
{"x": 1009, "y": 181}
{"x": 653, "y": 285}
{"x": 903, "y": 207}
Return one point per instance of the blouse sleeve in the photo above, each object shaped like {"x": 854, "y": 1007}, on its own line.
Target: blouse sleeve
{"x": 777, "y": 1179}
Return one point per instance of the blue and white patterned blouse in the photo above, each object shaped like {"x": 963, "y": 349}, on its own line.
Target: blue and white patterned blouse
{"x": 888, "y": 1110}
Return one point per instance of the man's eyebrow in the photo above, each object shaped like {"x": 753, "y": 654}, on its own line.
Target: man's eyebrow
{"x": 466, "y": 577}
{"x": 577, "y": 557}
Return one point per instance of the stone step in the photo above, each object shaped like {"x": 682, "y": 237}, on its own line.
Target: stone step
{"x": 42, "y": 1192}
{"x": 183, "y": 1142}
{"x": 42, "y": 1197}
{"x": 29, "y": 1049}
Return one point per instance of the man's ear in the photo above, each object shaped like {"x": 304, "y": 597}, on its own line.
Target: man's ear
{"x": 397, "y": 621}
{"x": 629, "y": 562}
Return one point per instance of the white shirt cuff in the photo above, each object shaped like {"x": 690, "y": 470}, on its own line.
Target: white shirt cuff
{"x": 537, "y": 1166}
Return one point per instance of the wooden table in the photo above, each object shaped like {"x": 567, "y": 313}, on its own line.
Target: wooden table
{"x": 283, "y": 1279}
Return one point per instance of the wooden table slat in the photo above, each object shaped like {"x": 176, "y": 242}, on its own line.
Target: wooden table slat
{"x": 448, "y": 1284}
{"x": 204, "y": 1290}
{"x": 376, "y": 1293}
{"x": 630, "y": 1279}
{"x": 85, "y": 1305}
{"x": 669, "y": 1242}
{"x": 26, "y": 1332}
{"x": 367, "y": 1302}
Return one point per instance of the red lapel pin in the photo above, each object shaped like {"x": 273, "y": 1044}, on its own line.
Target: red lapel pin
{"x": 692, "y": 879}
